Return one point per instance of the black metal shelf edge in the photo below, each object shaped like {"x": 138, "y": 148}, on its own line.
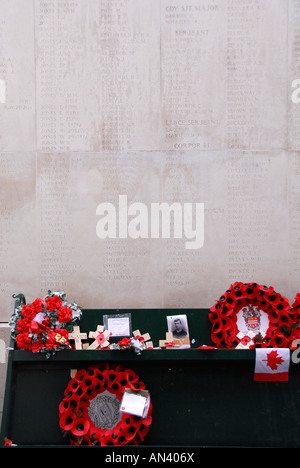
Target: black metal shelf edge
{"x": 192, "y": 354}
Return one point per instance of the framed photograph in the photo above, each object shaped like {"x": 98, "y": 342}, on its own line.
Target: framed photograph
{"x": 118, "y": 325}
{"x": 178, "y": 326}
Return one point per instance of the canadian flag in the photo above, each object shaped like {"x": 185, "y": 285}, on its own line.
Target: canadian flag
{"x": 272, "y": 364}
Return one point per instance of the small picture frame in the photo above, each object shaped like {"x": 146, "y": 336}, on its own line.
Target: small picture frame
{"x": 119, "y": 325}
{"x": 178, "y": 326}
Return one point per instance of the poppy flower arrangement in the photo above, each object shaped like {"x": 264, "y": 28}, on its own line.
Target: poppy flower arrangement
{"x": 44, "y": 325}
{"x": 90, "y": 410}
{"x": 296, "y": 306}
{"x": 138, "y": 342}
{"x": 135, "y": 343}
{"x": 250, "y": 302}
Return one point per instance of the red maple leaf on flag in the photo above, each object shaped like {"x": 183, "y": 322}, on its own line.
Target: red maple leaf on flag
{"x": 273, "y": 360}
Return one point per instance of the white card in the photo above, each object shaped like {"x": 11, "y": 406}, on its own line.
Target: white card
{"x": 135, "y": 403}
{"x": 118, "y": 324}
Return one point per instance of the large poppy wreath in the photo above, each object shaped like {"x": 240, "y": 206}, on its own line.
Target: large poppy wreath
{"x": 250, "y": 309}
{"x": 89, "y": 412}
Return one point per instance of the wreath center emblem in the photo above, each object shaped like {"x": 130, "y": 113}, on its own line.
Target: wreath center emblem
{"x": 252, "y": 316}
{"x": 104, "y": 410}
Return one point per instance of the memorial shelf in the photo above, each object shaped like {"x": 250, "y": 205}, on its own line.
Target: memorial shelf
{"x": 208, "y": 395}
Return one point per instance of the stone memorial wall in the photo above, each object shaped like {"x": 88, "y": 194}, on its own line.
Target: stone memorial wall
{"x": 138, "y": 103}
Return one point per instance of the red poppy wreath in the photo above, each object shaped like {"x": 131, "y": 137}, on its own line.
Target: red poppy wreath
{"x": 44, "y": 325}
{"x": 250, "y": 315}
{"x": 89, "y": 412}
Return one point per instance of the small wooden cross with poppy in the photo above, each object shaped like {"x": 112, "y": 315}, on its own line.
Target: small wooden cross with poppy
{"x": 169, "y": 342}
{"x": 100, "y": 336}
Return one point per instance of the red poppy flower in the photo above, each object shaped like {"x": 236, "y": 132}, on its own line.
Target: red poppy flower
{"x": 34, "y": 327}
{"x": 217, "y": 325}
{"x": 53, "y": 303}
{"x": 294, "y": 338}
{"x": 278, "y": 341}
{"x": 23, "y": 325}
{"x": 141, "y": 434}
{"x": 23, "y": 340}
{"x": 169, "y": 343}
{"x": 74, "y": 401}
{"x": 273, "y": 298}
{"x": 7, "y": 442}
{"x": 64, "y": 314}
{"x": 80, "y": 427}
{"x": 245, "y": 340}
{"x": 251, "y": 291}
{"x": 64, "y": 406}
{"x": 88, "y": 382}
{"x": 72, "y": 387}
{"x": 80, "y": 374}
{"x": 37, "y": 305}
{"x": 28, "y": 312}
{"x": 36, "y": 346}
{"x": 137, "y": 385}
{"x": 124, "y": 342}
{"x": 100, "y": 338}
{"x": 67, "y": 420}
{"x": 130, "y": 432}
{"x": 238, "y": 286}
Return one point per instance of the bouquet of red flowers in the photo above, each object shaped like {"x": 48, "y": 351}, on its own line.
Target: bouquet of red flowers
{"x": 43, "y": 326}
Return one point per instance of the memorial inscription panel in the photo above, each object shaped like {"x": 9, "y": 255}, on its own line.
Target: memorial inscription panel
{"x": 18, "y": 229}
{"x": 294, "y": 223}
{"x": 246, "y": 228}
{"x": 294, "y": 75}
{"x": 97, "y": 75}
{"x": 223, "y": 68}
{"x": 158, "y": 101}
{"x": 110, "y": 272}
{"x": 193, "y": 53}
{"x": 256, "y": 64}
{"x": 17, "y": 76}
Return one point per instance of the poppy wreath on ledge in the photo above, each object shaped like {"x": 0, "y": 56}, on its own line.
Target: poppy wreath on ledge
{"x": 44, "y": 325}
{"x": 255, "y": 309}
{"x": 89, "y": 412}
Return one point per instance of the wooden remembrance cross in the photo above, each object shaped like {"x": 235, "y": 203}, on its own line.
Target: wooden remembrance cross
{"x": 101, "y": 338}
{"x": 77, "y": 336}
{"x": 169, "y": 342}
